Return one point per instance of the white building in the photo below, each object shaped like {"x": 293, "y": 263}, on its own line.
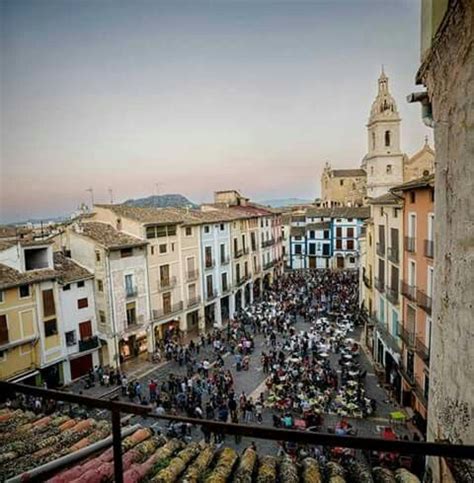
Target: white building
{"x": 78, "y": 313}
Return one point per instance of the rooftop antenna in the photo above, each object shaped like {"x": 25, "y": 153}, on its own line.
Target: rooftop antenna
{"x": 91, "y": 191}
{"x": 111, "y": 194}
{"x": 157, "y": 189}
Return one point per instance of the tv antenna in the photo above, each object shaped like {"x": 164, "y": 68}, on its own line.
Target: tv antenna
{"x": 111, "y": 195}
{"x": 91, "y": 191}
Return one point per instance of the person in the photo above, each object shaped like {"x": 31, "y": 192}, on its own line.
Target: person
{"x": 259, "y": 411}
{"x": 235, "y": 420}
{"x": 106, "y": 379}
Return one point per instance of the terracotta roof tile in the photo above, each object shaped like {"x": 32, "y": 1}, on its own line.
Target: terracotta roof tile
{"x": 107, "y": 236}
{"x": 9, "y": 277}
{"x": 68, "y": 270}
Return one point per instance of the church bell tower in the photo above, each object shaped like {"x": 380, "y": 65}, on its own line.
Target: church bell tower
{"x": 384, "y": 159}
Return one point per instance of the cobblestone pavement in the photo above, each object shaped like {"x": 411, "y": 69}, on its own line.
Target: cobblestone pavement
{"x": 252, "y": 382}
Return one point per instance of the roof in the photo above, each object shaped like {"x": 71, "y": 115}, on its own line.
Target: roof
{"x": 4, "y": 244}
{"x": 12, "y": 231}
{"x": 423, "y": 182}
{"x": 10, "y": 277}
{"x": 348, "y": 173}
{"x": 107, "y": 236}
{"x": 318, "y": 226}
{"x": 68, "y": 270}
{"x": 361, "y": 212}
{"x": 154, "y": 216}
{"x": 386, "y": 199}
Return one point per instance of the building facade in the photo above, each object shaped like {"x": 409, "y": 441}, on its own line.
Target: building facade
{"x": 341, "y": 187}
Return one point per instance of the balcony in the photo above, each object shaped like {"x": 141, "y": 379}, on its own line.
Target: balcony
{"x": 392, "y": 295}
{"x": 429, "y": 248}
{"x": 424, "y": 301}
{"x": 379, "y": 285}
{"x": 407, "y": 375}
{"x": 192, "y": 275}
{"x": 392, "y": 254}
{"x": 407, "y": 336}
{"x": 226, "y": 289}
{"x": 167, "y": 311}
{"x": 89, "y": 344}
{"x": 367, "y": 281}
{"x": 166, "y": 283}
{"x": 422, "y": 350}
{"x": 131, "y": 292}
{"x": 225, "y": 260}
{"x": 209, "y": 264}
{"x": 380, "y": 249}
{"x": 268, "y": 243}
{"x": 211, "y": 295}
{"x": 193, "y": 301}
{"x": 410, "y": 244}
{"x": 409, "y": 291}
{"x": 238, "y": 253}
{"x": 388, "y": 338}
{"x": 420, "y": 393}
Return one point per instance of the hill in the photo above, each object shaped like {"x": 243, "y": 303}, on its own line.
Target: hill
{"x": 162, "y": 201}
{"x": 279, "y": 203}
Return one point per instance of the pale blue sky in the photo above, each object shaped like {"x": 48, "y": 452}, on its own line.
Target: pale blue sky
{"x": 197, "y": 96}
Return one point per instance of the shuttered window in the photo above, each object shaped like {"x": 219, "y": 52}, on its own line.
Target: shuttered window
{"x": 48, "y": 303}
{"x": 3, "y": 330}
{"x": 82, "y": 303}
{"x": 85, "y": 330}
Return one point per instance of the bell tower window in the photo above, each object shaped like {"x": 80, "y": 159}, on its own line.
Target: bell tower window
{"x": 387, "y": 138}
{"x": 373, "y": 140}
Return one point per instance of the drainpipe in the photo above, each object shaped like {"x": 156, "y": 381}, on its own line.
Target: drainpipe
{"x": 426, "y": 109}
{"x": 68, "y": 459}
{"x": 112, "y": 310}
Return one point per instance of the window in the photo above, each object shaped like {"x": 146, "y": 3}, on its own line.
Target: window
{"x": 206, "y": 229}
{"x": 224, "y": 282}
{"x": 222, "y": 252}
{"x": 312, "y": 234}
{"x": 2, "y": 296}
{"x": 100, "y": 285}
{"x": 372, "y": 170}
{"x": 246, "y": 269}
{"x": 395, "y": 212}
{"x": 388, "y": 169}
{"x": 67, "y": 287}
{"x": 350, "y": 244}
{"x": 50, "y": 328}
{"x": 126, "y": 252}
{"x": 167, "y": 302}
{"x": 209, "y": 286}
{"x": 97, "y": 256}
{"x": 338, "y": 244}
{"x": 48, "y": 303}
{"x": 160, "y": 231}
{"x": 102, "y": 318}
{"x": 338, "y": 232}
{"x": 188, "y": 231}
{"x": 432, "y": 195}
{"x": 152, "y": 250}
{"x": 349, "y": 220}
{"x": 381, "y": 211}
{"x": 373, "y": 140}
{"x": 162, "y": 248}
{"x": 131, "y": 313}
{"x": 326, "y": 234}
{"x": 341, "y": 182}
{"x": 129, "y": 288}
{"x": 412, "y": 225}
{"x": 3, "y": 330}
{"x": 312, "y": 249}
{"x": 208, "y": 257}
{"x": 298, "y": 249}
{"x": 172, "y": 246}
{"x": 350, "y": 232}
{"x": 80, "y": 284}
{"x": 85, "y": 330}
{"x": 412, "y": 197}
{"x": 82, "y": 303}
{"x": 150, "y": 232}
{"x": 326, "y": 250}
{"x": 70, "y": 338}
{"x": 352, "y": 259}
{"x": 24, "y": 291}
{"x": 387, "y": 139}
{"x": 222, "y": 227}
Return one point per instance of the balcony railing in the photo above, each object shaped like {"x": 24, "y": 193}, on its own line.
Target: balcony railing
{"x": 209, "y": 263}
{"x": 420, "y": 393}
{"x": 131, "y": 292}
{"x": 409, "y": 291}
{"x": 424, "y": 301}
{"x": 422, "y": 350}
{"x": 168, "y": 310}
{"x": 193, "y": 301}
{"x": 166, "y": 283}
{"x": 115, "y": 410}
{"x": 406, "y": 335}
{"x": 211, "y": 295}
{"x": 393, "y": 254}
{"x": 238, "y": 253}
{"x": 407, "y": 375}
{"x": 367, "y": 281}
{"x": 268, "y": 265}
{"x": 268, "y": 243}
{"x": 429, "y": 248}
{"x": 392, "y": 295}
{"x": 225, "y": 290}
{"x": 410, "y": 244}
{"x": 192, "y": 275}
{"x": 380, "y": 249}
{"x": 88, "y": 344}
{"x": 379, "y": 285}
{"x": 389, "y": 338}
{"x": 225, "y": 260}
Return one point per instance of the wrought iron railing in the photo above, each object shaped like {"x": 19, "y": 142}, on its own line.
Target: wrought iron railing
{"x": 406, "y": 335}
{"x": 422, "y": 350}
{"x": 166, "y": 283}
{"x": 392, "y": 295}
{"x": 167, "y": 310}
{"x": 392, "y": 254}
{"x": 409, "y": 291}
{"x": 429, "y": 248}
{"x": 379, "y": 284}
{"x": 193, "y": 301}
{"x": 192, "y": 275}
{"x": 410, "y": 244}
{"x": 424, "y": 301}
{"x": 380, "y": 249}
{"x": 88, "y": 344}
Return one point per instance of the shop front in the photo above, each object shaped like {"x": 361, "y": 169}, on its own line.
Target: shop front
{"x": 209, "y": 317}
{"x": 225, "y": 309}
{"x": 52, "y": 375}
{"x": 192, "y": 324}
{"x": 80, "y": 366}
{"x": 247, "y": 290}
{"x": 257, "y": 289}
{"x": 168, "y": 330}
{"x": 132, "y": 345}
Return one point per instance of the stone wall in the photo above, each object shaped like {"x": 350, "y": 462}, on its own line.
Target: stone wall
{"x": 448, "y": 74}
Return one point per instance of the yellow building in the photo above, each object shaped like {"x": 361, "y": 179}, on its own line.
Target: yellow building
{"x": 342, "y": 187}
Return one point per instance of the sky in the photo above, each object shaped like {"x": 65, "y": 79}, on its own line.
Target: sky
{"x": 190, "y": 97}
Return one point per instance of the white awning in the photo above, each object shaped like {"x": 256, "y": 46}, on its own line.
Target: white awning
{"x": 24, "y": 376}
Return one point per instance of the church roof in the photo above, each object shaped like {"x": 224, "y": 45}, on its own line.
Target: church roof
{"x": 425, "y": 149}
{"x": 423, "y": 182}
{"x": 348, "y": 173}
{"x": 385, "y": 199}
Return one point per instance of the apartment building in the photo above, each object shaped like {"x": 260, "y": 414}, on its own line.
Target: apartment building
{"x": 385, "y": 313}
{"x": 326, "y": 237}
{"x": 417, "y": 290}
{"x": 119, "y": 263}
{"x": 31, "y": 347}
{"x": 78, "y": 313}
